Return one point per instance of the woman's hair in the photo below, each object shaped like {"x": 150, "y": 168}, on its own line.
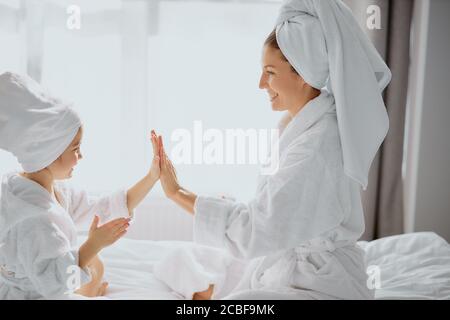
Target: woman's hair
{"x": 271, "y": 41}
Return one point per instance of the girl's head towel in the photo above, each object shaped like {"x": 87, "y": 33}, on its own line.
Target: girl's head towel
{"x": 34, "y": 126}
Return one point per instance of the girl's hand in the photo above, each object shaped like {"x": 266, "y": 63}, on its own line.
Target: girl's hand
{"x": 168, "y": 176}
{"x": 107, "y": 234}
{"x": 155, "y": 170}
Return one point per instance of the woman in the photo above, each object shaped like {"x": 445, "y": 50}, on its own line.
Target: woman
{"x": 298, "y": 235}
{"x": 39, "y": 254}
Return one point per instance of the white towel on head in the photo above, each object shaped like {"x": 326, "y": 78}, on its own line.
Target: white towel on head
{"x": 323, "y": 42}
{"x": 34, "y": 126}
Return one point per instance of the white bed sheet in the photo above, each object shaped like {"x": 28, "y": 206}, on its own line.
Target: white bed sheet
{"x": 412, "y": 266}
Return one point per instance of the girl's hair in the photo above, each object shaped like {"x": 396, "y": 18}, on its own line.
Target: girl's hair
{"x": 271, "y": 41}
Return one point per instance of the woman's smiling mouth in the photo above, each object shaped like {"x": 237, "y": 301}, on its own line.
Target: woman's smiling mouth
{"x": 273, "y": 97}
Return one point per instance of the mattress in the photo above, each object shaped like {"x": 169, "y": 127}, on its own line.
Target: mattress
{"x": 408, "y": 266}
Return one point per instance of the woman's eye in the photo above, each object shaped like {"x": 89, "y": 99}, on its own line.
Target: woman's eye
{"x": 270, "y": 72}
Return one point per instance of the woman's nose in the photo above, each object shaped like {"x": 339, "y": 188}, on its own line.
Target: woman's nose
{"x": 262, "y": 82}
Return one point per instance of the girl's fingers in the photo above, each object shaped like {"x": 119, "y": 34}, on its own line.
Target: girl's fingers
{"x": 154, "y": 146}
{"x": 156, "y": 161}
{"x": 120, "y": 235}
{"x": 102, "y": 289}
{"x": 94, "y": 223}
{"x": 120, "y": 228}
{"x": 116, "y": 222}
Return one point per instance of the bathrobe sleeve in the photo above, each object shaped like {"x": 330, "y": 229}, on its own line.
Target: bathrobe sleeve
{"x": 82, "y": 205}
{"x": 296, "y": 204}
{"x": 48, "y": 259}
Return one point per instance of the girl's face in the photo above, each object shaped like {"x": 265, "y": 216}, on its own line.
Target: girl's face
{"x": 285, "y": 87}
{"x": 62, "y": 167}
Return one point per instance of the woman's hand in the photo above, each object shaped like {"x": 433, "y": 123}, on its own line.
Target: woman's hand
{"x": 168, "y": 177}
{"x": 169, "y": 182}
{"x": 155, "y": 170}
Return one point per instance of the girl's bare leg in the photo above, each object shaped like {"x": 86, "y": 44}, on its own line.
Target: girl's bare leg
{"x": 204, "y": 295}
{"x": 95, "y": 287}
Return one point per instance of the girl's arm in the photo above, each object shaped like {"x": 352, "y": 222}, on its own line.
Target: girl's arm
{"x": 138, "y": 192}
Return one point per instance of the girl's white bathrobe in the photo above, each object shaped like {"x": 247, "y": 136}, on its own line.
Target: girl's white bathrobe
{"x": 38, "y": 238}
{"x": 297, "y": 237}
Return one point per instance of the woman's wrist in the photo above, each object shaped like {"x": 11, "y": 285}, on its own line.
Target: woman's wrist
{"x": 175, "y": 193}
{"x": 185, "y": 199}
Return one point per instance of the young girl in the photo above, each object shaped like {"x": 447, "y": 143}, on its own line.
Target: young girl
{"x": 299, "y": 234}
{"x": 39, "y": 256}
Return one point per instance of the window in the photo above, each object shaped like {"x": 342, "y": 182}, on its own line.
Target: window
{"x": 137, "y": 65}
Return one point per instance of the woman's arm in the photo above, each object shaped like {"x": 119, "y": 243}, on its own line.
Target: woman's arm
{"x": 185, "y": 199}
{"x": 138, "y": 192}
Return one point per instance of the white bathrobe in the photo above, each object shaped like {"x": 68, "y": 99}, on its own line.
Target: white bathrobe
{"x": 38, "y": 249}
{"x": 297, "y": 238}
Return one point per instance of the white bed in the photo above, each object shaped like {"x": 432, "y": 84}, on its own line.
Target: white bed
{"x": 412, "y": 266}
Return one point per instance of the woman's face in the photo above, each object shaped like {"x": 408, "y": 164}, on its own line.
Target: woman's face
{"x": 62, "y": 167}
{"x": 285, "y": 87}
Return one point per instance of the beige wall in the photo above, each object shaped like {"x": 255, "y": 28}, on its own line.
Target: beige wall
{"x": 432, "y": 200}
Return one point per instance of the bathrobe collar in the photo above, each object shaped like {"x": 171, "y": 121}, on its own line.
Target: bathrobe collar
{"x": 311, "y": 113}
{"x": 22, "y": 199}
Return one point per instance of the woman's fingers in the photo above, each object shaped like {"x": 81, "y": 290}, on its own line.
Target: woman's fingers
{"x": 166, "y": 164}
{"x": 170, "y": 166}
{"x": 163, "y": 158}
{"x": 160, "y": 146}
